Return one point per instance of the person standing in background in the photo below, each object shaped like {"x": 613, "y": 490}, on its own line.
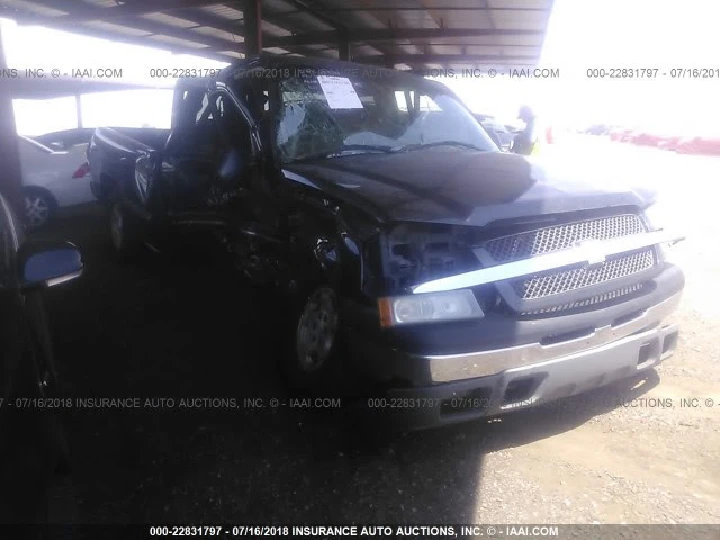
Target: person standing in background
{"x": 525, "y": 141}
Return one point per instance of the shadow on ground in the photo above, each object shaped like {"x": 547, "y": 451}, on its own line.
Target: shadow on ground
{"x": 170, "y": 332}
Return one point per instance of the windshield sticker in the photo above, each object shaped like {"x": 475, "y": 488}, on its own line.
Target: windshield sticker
{"x": 339, "y": 92}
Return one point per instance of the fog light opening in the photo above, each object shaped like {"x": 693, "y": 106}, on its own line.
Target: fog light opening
{"x": 519, "y": 390}
{"x": 669, "y": 343}
{"x": 648, "y": 352}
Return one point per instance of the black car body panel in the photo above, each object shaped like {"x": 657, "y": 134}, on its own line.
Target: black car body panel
{"x": 454, "y": 186}
{"x": 292, "y": 199}
{"x": 120, "y": 147}
{"x": 32, "y": 442}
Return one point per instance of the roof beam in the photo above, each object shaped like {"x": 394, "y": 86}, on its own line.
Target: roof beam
{"x": 145, "y": 25}
{"x": 68, "y": 26}
{"x": 252, "y": 14}
{"x": 340, "y": 37}
{"x": 468, "y": 45}
{"x": 416, "y": 59}
{"x": 420, "y": 8}
{"x": 87, "y": 12}
{"x": 390, "y": 34}
{"x": 130, "y": 14}
{"x": 306, "y": 6}
{"x": 184, "y": 9}
{"x": 213, "y": 44}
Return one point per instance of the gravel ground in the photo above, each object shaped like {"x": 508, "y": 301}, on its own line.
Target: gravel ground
{"x": 611, "y": 456}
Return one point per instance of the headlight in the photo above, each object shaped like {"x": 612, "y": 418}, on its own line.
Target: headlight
{"x": 425, "y": 308}
{"x": 660, "y": 217}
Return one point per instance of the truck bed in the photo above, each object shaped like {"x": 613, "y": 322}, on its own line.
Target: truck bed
{"x": 112, "y": 153}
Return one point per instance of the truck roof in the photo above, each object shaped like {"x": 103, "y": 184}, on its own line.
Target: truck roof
{"x": 274, "y": 60}
{"x": 337, "y": 67}
{"x": 270, "y": 62}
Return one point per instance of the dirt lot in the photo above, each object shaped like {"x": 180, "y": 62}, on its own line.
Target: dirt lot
{"x": 612, "y": 456}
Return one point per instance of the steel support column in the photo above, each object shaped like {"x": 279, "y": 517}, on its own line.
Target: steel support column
{"x": 344, "y": 47}
{"x": 10, "y": 172}
{"x": 78, "y": 110}
{"x": 252, "y": 22}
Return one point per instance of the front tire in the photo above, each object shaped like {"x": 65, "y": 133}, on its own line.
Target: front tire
{"x": 315, "y": 350}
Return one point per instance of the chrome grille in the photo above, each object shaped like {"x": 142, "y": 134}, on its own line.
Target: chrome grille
{"x": 548, "y": 239}
{"x": 525, "y": 245}
{"x": 592, "y": 302}
{"x": 577, "y": 278}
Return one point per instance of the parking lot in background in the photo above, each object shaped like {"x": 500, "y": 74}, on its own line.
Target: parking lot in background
{"x": 627, "y": 453}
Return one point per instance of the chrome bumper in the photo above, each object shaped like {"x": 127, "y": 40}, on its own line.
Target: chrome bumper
{"x": 457, "y": 367}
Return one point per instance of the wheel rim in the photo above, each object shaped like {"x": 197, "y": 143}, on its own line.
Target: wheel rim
{"x": 317, "y": 329}
{"x": 116, "y": 227}
{"x": 37, "y": 210}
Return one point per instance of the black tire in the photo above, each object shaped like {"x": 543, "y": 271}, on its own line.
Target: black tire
{"x": 39, "y": 205}
{"x": 315, "y": 348}
{"x": 124, "y": 233}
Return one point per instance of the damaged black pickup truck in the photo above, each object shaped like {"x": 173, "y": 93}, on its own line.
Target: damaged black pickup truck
{"x": 413, "y": 251}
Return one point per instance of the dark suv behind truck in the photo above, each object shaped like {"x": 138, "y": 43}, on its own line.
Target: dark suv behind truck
{"x": 463, "y": 280}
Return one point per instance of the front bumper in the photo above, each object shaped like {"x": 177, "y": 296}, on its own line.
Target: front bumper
{"x": 471, "y": 385}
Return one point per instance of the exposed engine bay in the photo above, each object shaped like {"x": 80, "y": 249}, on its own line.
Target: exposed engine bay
{"x": 419, "y": 252}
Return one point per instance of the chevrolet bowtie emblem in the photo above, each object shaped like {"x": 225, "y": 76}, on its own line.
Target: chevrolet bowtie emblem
{"x": 593, "y": 251}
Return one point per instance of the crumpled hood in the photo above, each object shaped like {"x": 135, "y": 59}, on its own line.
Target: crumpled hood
{"x": 457, "y": 186}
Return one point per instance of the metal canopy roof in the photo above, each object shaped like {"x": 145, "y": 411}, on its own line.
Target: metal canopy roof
{"x": 47, "y": 88}
{"x": 415, "y": 34}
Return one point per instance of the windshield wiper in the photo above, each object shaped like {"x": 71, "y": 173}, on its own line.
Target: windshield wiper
{"x": 362, "y": 148}
{"x": 419, "y": 146}
{"x": 349, "y": 150}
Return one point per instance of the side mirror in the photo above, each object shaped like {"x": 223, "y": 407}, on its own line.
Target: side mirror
{"x": 46, "y": 264}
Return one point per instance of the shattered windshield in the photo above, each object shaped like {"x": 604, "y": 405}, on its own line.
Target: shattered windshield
{"x": 325, "y": 116}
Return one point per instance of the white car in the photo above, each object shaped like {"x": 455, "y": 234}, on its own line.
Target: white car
{"x": 52, "y": 179}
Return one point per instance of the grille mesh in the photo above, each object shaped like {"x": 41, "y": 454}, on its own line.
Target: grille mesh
{"x": 528, "y": 244}
{"x": 548, "y": 239}
{"x": 570, "y": 280}
{"x": 594, "y": 301}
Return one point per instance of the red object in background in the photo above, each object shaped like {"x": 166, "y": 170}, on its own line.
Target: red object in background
{"x": 82, "y": 171}
{"x": 549, "y": 135}
{"x": 643, "y": 138}
{"x": 621, "y": 135}
{"x": 669, "y": 142}
{"x": 699, "y": 145}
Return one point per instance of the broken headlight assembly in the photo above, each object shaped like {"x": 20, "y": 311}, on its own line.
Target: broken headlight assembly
{"x": 415, "y": 254}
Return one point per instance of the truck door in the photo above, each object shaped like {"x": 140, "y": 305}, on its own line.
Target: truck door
{"x": 239, "y": 168}
{"x": 252, "y": 207}
{"x": 191, "y": 153}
